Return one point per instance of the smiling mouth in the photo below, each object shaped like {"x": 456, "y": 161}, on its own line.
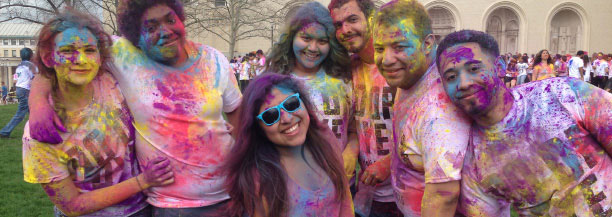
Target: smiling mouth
{"x": 311, "y": 56}
{"x": 463, "y": 96}
{"x": 169, "y": 42}
{"x": 293, "y": 129}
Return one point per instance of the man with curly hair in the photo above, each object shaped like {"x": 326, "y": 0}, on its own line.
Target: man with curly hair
{"x": 373, "y": 101}
{"x": 177, "y": 91}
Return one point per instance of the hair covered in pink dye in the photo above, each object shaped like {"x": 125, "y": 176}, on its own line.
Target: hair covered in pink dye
{"x": 254, "y": 171}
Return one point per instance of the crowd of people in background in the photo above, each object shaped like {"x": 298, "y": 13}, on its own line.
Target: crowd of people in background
{"x": 523, "y": 68}
{"x": 248, "y": 67}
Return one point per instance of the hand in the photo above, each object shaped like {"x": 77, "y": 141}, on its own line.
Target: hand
{"x": 377, "y": 172}
{"x": 44, "y": 124}
{"x": 157, "y": 172}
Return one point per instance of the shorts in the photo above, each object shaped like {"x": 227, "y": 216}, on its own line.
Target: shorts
{"x": 508, "y": 79}
{"x": 215, "y": 210}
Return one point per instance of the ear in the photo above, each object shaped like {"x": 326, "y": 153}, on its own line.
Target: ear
{"x": 500, "y": 67}
{"x": 430, "y": 44}
{"x": 47, "y": 59}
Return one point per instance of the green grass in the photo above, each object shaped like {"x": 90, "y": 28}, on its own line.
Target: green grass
{"x": 17, "y": 197}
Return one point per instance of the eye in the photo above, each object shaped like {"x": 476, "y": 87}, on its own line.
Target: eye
{"x": 91, "y": 50}
{"x": 323, "y": 41}
{"x": 353, "y": 20}
{"x": 450, "y": 77}
{"x": 400, "y": 47}
{"x": 66, "y": 50}
{"x": 475, "y": 68}
{"x": 306, "y": 38}
{"x": 150, "y": 29}
{"x": 337, "y": 25}
{"x": 379, "y": 49}
{"x": 172, "y": 21}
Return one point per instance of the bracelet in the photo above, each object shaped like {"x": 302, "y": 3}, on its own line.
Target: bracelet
{"x": 139, "y": 186}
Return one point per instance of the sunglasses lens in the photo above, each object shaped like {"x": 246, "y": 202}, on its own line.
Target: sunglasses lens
{"x": 270, "y": 116}
{"x": 292, "y": 104}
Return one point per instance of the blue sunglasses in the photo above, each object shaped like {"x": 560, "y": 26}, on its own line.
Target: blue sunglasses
{"x": 271, "y": 115}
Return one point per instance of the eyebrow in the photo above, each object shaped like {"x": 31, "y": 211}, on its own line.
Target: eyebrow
{"x": 470, "y": 62}
{"x": 154, "y": 20}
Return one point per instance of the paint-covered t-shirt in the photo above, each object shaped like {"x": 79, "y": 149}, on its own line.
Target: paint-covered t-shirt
{"x": 431, "y": 130}
{"x": 178, "y": 114}
{"x": 600, "y": 68}
{"x": 373, "y": 111}
{"x": 313, "y": 203}
{"x": 333, "y": 99}
{"x": 545, "y": 157}
{"x": 98, "y": 149}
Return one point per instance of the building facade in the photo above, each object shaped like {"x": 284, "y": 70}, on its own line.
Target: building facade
{"x": 525, "y": 26}
{"x": 14, "y": 37}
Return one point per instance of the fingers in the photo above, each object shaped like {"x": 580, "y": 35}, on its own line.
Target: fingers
{"x": 58, "y": 123}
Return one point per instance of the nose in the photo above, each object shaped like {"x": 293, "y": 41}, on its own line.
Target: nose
{"x": 285, "y": 117}
{"x": 164, "y": 32}
{"x": 388, "y": 57}
{"x": 345, "y": 28}
{"x": 464, "y": 80}
{"x": 312, "y": 45}
{"x": 79, "y": 57}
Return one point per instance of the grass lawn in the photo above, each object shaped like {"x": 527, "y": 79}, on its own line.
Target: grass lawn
{"x": 18, "y": 198}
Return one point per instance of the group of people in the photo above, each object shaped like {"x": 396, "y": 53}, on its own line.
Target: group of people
{"x": 152, "y": 124}
{"x": 248, "y": 67}
{"x": 522, "y": 68}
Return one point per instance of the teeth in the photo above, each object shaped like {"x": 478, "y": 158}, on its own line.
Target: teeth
{"x": 311, "y": 55}
{"x": 290, "y": 130}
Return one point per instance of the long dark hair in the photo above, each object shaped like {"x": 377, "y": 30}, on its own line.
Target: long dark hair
{"x": 281, "y": 58}
{"x": 256, "y": 162}
{"x": 538, "y": 58}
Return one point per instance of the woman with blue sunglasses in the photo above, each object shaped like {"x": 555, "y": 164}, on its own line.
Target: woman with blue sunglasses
{"x": 284, "y": 162}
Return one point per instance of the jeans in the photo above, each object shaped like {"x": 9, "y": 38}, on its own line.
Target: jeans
{"x": 521, "y": 79}
{"x": 22, "y": 110}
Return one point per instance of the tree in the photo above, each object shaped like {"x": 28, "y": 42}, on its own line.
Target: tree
{"x": 39, "y": 11}
{"x": 235, "y": 20}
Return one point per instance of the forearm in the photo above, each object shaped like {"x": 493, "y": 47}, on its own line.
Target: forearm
{"x": 440, "y": 199}
{"x": 350, "y": 155}
{"x": 84, "y": 203}
{"x": 39, "y": 93}
{"x": 347, "y": 209}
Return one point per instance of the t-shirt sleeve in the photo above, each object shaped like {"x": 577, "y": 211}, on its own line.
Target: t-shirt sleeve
{"x": 444, "y": 137}
{"x": 230, "y": 92}
{"x": 474, "y": 202}
{"x": 580, "y": 63}
{"x": 42, "y": 163}
{"x": 597, "y": 108}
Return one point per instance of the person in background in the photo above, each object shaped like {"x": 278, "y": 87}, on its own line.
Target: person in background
{"x": 542, "y": 149}
{"x": 602, "y": 70}
{"x": 575, "y": 66}
{"x": 25, "y": 73}
{"x": 511, "y": 73}
{"x": 543, "y": 66}
{"x": 261, "y": 62}
{"x": 430, "y": 133}
{"x": 4, "y": 92}
{"x": 522, "y": 68}
{"x": 285, "y": 161}
{"x": 562, "y": 70}
{"x": 588, "y": 68}
{"x": 245, "y": 66}
{"x": 94, "y": 172}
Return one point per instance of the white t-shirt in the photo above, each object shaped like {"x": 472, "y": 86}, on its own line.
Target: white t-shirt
{"x": 178, "y": 114}
{"x": 574, "y": 65}
{"x": 600, "y": 67}
{"x": 587, "y": 72}
{"x": 25, "y": 73}
{"x": 522, "y": 68}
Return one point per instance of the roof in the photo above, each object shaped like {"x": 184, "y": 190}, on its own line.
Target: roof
{"x": 20, "y": 30}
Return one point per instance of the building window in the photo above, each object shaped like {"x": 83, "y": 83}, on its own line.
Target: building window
{"x": 32, "y": 42}
{"x": 6, "y": 41}
{"x": 5, "y": 53}
{"x": 220, "y": 3}
{"x": 21, "y": 42}
{"x": 14, "y": 53}
{"x": 13, "y": 42}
